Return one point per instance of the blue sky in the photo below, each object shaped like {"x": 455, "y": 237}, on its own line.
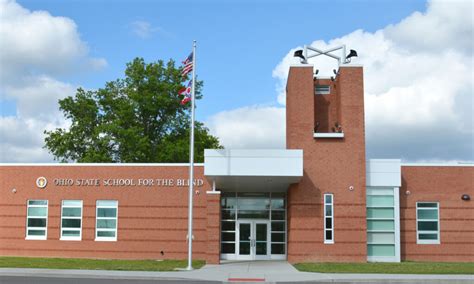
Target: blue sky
{"x": 417, "y": 58}
{"x": 239, "y": 42}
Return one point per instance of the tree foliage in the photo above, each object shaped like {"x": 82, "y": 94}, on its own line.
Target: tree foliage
{"x": 137, "y": 119}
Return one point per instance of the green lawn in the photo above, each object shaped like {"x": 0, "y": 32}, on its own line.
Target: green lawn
{"x": 390, "y": 268}
{"x": 96, "y": 264}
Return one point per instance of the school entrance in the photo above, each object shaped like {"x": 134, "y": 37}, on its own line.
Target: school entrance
{"x": 253, "y": 226}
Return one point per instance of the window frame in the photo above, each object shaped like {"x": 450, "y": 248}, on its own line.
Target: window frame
{"x": 71, "y": 238}
{"x": 432, "y": 232}
{"x": 322, "y": 90}
{"x": 97, "y": 218}
{"x": 28, "y": 228}
{"x": 326, "y": 240}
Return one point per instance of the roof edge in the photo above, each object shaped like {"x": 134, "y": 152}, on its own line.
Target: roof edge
{"x": 99, "y": 164}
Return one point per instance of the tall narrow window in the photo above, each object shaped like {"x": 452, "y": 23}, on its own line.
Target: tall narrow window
{"x": 106, "y": 220}
{"x": 427, "y": 223}
{"x": 37, "y": 220}
{"x": 71, "y": 220}
{"x": 328, "y": 218}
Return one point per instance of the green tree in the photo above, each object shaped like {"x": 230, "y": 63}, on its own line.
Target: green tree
{"x": 137, "y": 119}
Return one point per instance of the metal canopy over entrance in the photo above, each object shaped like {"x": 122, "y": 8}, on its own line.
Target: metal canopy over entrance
{"x": 253, "y": 170}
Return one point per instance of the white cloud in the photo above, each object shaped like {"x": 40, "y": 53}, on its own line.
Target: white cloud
{"x": 21, "y": 136}
{"x": 444, "y": 25}
{"x": 36, "y": 47}
{"x": 418, "y": 86}
{"x": 38, "y": 97}
{"x": 36, "y": 41}
{"x": 22, "y": 140}
{"x": 144, "y": 29}
{"x": 253, "y": 127}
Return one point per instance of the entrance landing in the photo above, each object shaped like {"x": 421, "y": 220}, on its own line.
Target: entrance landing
{"x": 253, "y": 271}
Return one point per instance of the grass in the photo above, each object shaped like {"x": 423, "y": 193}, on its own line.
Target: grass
{"x": 96, "y": 264}
{"x": 390, "y": 268}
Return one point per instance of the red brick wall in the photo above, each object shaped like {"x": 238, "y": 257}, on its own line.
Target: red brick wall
{"x": 330, "y": 166}
{"x": 150, "y": 219}
{"x": 326, "y": 107}
{"x": 445, "y": 185}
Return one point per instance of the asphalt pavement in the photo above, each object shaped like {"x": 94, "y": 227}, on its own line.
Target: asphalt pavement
{"x": 57, "y": 280}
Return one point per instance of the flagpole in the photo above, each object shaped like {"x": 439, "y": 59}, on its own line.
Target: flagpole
{"x": 191, "y": 167}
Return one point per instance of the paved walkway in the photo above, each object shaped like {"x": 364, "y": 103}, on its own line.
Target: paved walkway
{"x": 257, "y": 271}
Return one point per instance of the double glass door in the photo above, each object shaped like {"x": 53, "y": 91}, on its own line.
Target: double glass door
{"x": 252, "y": 239}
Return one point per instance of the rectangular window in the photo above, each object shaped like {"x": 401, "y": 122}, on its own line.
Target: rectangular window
{"x": 71, "y": 220}
{"x": 37, "y": 220}
{"x": 322, "y": 90}
{"x": 328, "y": 218}
{"x": 427, "y": 223}
{"x": 106, "y": 220}
{"x": 383, "y": 224}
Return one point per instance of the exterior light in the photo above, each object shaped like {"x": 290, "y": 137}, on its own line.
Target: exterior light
{"x": 299, "y": 53}
{"x": 465, "y": 197}
{"x": 352, "y": 53}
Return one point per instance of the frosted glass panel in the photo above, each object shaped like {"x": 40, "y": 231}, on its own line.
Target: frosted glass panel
{"x": 107, "y": 203}
{"x": 380, "y": 225}
{"x": 379, "y": 201}
{"x": 71, "y": 212}
{"x": 76, "y": 203}
{"x": 428, "y": 214}
{"x": 381, "y": 250}
{"x": 381, "y": 238}
{"x": 37, "y": 211}
{"x": 380, "y": 213}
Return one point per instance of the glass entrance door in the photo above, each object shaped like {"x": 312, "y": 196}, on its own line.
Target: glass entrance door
{"x": 261, "y": 239}
{"x": 252, "y": 240}
{"x": 244, "y": 243}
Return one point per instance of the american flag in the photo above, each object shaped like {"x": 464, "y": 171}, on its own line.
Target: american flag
{"x": 187, "y": 65}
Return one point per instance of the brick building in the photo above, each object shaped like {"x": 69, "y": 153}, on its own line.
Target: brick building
{"x": 317, "y": 200}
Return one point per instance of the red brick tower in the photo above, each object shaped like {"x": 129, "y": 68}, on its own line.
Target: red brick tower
{"x": 325, "y": 118}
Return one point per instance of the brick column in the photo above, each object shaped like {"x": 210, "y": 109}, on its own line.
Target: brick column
{"x": 213, "y": 225}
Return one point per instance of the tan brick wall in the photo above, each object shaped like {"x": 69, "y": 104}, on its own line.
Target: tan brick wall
{"x": 330, "y": 166}
{"x": 151, "y": 220}
{"x": 445, "y": 185}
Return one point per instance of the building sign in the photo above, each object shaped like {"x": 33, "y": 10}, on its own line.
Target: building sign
{"x": 124, "y": 182}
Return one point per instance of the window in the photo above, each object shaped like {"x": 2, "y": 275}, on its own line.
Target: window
{"x": 322, "y": 90}
{"x": 328, "y": 219}
{"x": 106, "y": 220}
{"x": 427, "y": 223}
{"x": 71, "y": 220}
{"x": 37, "y": 220}
{"x": 382, "y": 224}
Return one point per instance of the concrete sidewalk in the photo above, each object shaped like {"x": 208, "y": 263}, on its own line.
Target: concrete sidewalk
{"x": 254, "y": 271}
